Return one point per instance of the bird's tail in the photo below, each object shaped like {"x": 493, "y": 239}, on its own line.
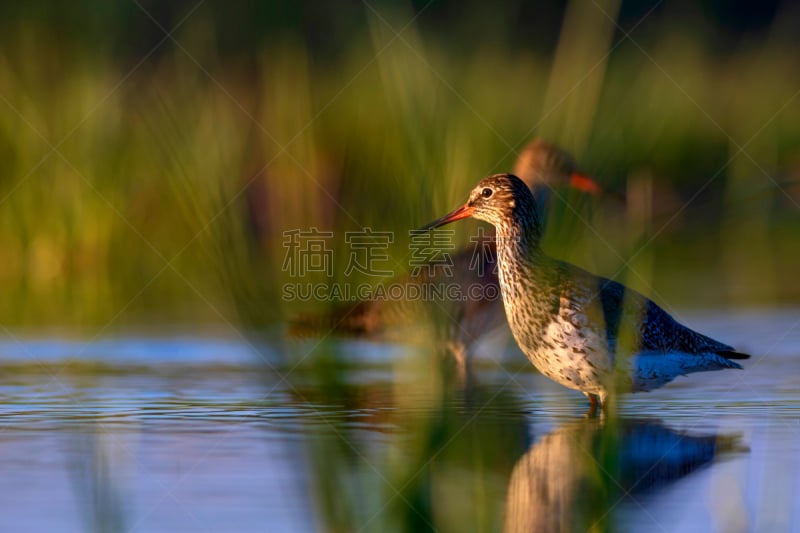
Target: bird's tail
{"x": 725, "y": 359}
{"x": 730, "y": 354}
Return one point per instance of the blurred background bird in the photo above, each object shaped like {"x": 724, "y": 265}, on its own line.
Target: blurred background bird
{"x": 462, "y": 294}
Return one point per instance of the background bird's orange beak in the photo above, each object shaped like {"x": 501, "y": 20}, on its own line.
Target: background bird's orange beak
{"x": 584, "y": 183}
{"x": 462, "y": 212}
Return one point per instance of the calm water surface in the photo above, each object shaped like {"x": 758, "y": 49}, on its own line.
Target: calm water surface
{"x": 198, "y": 433}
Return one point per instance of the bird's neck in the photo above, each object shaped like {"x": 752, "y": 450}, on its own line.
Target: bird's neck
{"x": 519, "y": 237}
{"x": 524, "y": 282}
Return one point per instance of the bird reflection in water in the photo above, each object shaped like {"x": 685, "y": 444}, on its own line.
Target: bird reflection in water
{"x": 571, "y": 479}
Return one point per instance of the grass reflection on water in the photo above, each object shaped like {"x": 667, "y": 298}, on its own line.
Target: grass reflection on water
{"x": 466, "y": 459}
{"x": 396, "y": 445}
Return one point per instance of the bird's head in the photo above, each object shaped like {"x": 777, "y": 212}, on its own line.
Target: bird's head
{"x": 501, "y": 200}
{"x": 542, "y": 163}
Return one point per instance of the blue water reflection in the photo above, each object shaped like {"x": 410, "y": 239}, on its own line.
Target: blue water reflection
{"x": 190, "y": 433}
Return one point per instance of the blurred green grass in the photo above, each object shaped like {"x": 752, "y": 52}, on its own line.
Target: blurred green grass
{"x": 155, "y": 189}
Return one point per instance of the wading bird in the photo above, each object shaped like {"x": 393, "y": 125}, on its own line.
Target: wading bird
{"x": 583, "y": 331}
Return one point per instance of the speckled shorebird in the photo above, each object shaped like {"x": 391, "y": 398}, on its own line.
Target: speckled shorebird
{"x": 544, "y": 168}
{"x": 583, "y": 331}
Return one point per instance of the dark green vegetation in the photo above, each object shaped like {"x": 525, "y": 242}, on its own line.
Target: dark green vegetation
{"x": 149, "y": 179}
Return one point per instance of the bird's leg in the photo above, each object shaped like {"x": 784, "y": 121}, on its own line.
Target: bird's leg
{"x": 592, "y": 404}
{"x": 608, "y": 403}
{"x": 461, "y": 356}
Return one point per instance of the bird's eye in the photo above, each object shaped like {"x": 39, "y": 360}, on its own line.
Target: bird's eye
{"x": 487, "y": 192}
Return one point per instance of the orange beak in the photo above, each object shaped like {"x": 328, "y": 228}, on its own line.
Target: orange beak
{"x": 464, "y": 211}
{"x": 584, "y": 183}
